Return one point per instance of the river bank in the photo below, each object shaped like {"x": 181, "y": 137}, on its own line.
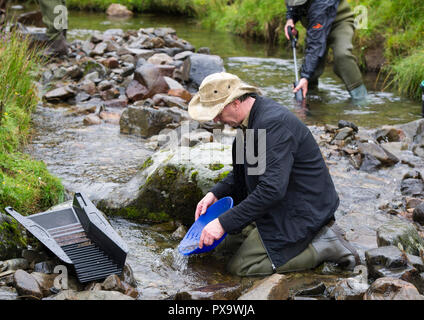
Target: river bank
{"x": 113, "y": 123}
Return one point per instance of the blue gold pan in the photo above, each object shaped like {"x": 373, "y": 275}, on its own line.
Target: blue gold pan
{"x": 190, "y": 244}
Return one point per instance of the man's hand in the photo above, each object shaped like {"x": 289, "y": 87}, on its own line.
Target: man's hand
{"x": 303, "y": 84}
{"x": 289, "y": 23}
{"x": 213, "y": 231}
{"x": 208, "y": 200}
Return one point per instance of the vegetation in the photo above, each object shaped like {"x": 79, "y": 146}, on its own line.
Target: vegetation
{"x": 25, "y": 184}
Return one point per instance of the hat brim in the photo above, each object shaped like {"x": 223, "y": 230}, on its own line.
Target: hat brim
{"x": 202, "y": 113}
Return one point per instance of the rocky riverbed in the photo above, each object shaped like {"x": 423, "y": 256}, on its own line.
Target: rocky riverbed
{"x": 113, "y": 122}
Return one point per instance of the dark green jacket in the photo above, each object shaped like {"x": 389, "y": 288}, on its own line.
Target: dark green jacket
{"x": 294, "y": 197}
{"x": 318, "y": 17}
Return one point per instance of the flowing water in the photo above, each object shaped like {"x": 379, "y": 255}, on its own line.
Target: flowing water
{"x": 95, "y": 159}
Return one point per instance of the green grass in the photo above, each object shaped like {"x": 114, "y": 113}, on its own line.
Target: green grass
{"x": 186, "y": 7}
{"x": 25, "y": 184}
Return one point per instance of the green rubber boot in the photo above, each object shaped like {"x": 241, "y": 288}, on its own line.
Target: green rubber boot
{"x": 359, "y": 96}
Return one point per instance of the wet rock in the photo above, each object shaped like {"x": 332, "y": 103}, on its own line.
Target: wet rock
{"x": 112, "y": 63}
{"x": 45, "y": 267}
{"x": 180, "y": 93}
{"x": 11, "y": 239}
{"x": 179, "y": 233}
{"x": 162, "y": 32}
{"x": 398, "y": 231}
{"x": 74, "y": 72}
{"x": 89, "y": 295}
{"x": 26, "y": 285}
{"x": 59, "y": 94}
{"x": 378, "y": 152}
{"x": 412, "y": 187}
{"x": 152, "y": 78}
{"x": 116, "y": 103}
{"x": 367, "y": 163}
{"x": 172, "y": 183}
{"x": 128, "y": 58}
{"x": 89, "y": 66}
{"x": 110, "y": 117}
{"x": 14, "y": 264}
{"x": 160, "y": 58}
{"x": 392, "y": 289}
{"x": 170, "y": 101}
{"x": 183, "y": 55}
{"x": 93, "y": 76}
{"x": 190, "y": 139}
{"x": 352, "y": 288}
{"x": 220, "y": 291}
{"x": 8, "y": 293}
{"x": 347, "y": 124}
{"x": 113, "y": 283}
{"x": 172, "y": 84}
{"x": 45, "y": 282}
{"x": 99, "y": 49}
{"x": 388, "y": 134}
{"x": 389, "y": 261}
{"x": 127, "y": 276}
{"x": 147, "y": 121}
{"x": 88, "y": 87}
{"x": 118, "y": 10}
{"x": 317, "y": 290}
{"x": 418, "y": 150}
{"x": 418, "y": 214}
{"x": 173, "y": 41}
{"x": 92, "y": 120}
{"x": 343, "y": 133}
{"x": 271, "y": 288}
{"x": 198, "y": 66}
{"x": 412, "y": 203}
{"x": 136, "y": 91}
{"x": 104, "y": 85}
{"x": 110, "y": 94}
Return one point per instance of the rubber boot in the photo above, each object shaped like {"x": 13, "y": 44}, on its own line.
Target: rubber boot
{"x": 359, "y": 95}
{"x": 332, "y": 247}
{"x": 57, "y": 47}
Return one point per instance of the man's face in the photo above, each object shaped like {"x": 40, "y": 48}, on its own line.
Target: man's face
{"x": 230, "y": 115}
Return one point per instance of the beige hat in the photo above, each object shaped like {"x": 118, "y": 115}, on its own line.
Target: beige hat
{"x": 216, "y": 91}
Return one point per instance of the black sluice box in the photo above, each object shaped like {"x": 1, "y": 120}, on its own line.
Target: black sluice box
{"x": 80, "y": 236}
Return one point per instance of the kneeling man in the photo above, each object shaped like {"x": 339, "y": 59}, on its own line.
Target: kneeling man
{"x": 283, "y": 217}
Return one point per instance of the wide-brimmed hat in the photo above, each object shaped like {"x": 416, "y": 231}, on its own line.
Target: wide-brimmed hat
{"x": 293, "y": 3}
{"x": 216, "y": 91}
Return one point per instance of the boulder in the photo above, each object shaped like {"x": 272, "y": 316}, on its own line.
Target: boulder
{"x": 271, "y": 288}
{"x": 148, "y": 121}
{"x": 92, "y": 119}
{"x": 388, "y": 134}
{"x": 118, "y": 10}
{"x": 392, "y": 289}
{"x": 99, "y": 49}
{"x": 151, "y": 77}
{"x": 26, "y": 285}
{"x": 136, "y": 91}
{"x": 171, "y": 182}
{"x": 350, "y": 289}
{"x": 397, "y": 231}
{"x": 160, "y": 58}
{"x": 89, "y": 295}
{"x": 198, "y": 66}
{"x": 418, "y": 213}
{"x": 14, "y": 264}
{"x": 412, "y": 187}
{"x": 116, "y": 103}
{"x": 377, "y": 152}
{"x": 180, "y": 93}
{"x": 219, "y": 291}
{"x": 59, "y": 94}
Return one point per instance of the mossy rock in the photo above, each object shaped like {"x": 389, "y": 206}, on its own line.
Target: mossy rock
{"x": 397, "y": 232}
{"x": 11, "y": 239}
{"x": 169, "y": 192}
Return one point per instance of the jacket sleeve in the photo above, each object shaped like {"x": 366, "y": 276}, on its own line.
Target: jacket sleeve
{"x": 272, "y": 184}
{"x": 321, "y": 15}
{"x": 293, "y": 13}
{"x": 225, "y": 187}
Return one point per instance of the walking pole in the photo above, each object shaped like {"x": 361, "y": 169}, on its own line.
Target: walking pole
{"x": 422, "y": 107}
{"x": 293, "y": 40}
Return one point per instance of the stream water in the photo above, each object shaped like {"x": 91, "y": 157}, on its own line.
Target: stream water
{"x": 94, "y": 159}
